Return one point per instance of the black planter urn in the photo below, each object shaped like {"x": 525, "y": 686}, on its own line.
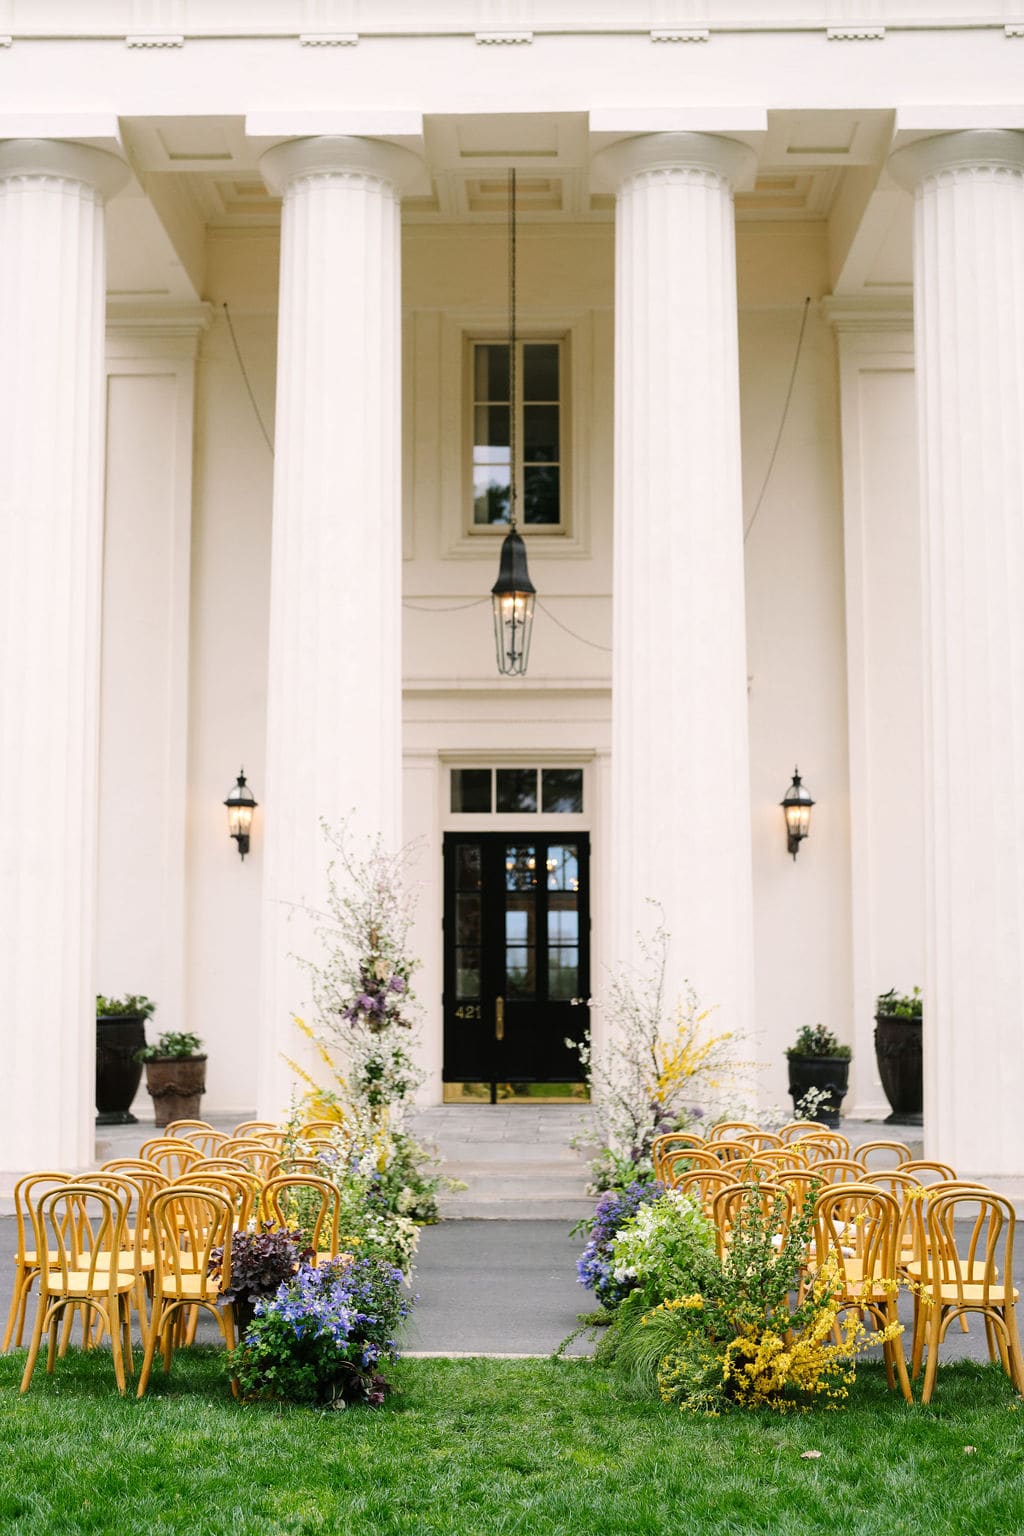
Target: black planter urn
{"x": 898, "y": 1053}
{"x": 118, "y": 1074}
{"x": 829, "y": 1074}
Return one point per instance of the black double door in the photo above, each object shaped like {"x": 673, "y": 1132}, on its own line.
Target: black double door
{"x": 516, "y": 957}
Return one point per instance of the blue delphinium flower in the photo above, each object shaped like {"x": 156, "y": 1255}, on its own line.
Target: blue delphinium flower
{"x": 594, "y": 1267}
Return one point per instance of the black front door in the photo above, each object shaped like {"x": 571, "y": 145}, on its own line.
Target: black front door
{"x": 516, "y": 957}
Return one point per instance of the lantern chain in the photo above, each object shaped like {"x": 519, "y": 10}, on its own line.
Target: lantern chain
{"x": 513, "y": 491}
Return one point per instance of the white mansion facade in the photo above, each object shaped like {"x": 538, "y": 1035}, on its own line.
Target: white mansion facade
{"x": 255, "y": 419}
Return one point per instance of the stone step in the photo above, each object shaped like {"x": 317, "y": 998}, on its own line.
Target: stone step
{"x": 465, "y": 1208}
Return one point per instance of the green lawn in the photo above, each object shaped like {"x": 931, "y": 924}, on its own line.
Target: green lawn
{"x": 476, "y": 1447}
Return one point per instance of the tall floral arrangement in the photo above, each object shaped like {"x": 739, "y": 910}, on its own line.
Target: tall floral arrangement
{"x": 364, "y": 1005}
{"x": 660, "y": 1067}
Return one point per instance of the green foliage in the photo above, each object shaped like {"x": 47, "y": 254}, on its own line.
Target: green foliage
{"x": 260, "y": 1262}
{"x": 900, "y": 1005}
{"x": 174, "y": 1045}
{"x": 663, "y": 1249}
{"x": 131, "y": 1006}
{"x": 818, "y": 1041}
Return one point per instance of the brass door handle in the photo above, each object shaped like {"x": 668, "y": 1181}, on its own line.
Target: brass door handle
{"x": 499, "y": 1018}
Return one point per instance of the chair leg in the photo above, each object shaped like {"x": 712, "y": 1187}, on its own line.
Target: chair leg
{"x": 932, "y": 1365}
{"x": 51, "y": 1349}
{"x": 16, "y": 1314}
{"x": 152, "y": 1334}
{"x": 1016, "y": 1372}
{"x": 125, "y": 1304}
{"x": 33, "y": 1348}
{"x": 115, "y": 1349}
{"x": 920, "y": 1326}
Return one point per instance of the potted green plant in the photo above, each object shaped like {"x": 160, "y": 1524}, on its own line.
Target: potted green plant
{"x": 175, "y": 1075}
{"x": 898, "y": 1022}
{"x": 120, "y": 1031}
{"x": 818, "y": 1061}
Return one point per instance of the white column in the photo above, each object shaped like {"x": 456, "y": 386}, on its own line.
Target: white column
{"x": 680, "y": 775}
{"x": 334, "y": 689}
{"x": 51, "y": 523}
{"x": 969, "y": 344}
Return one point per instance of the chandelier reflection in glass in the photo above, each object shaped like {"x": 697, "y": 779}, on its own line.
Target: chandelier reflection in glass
{"x": 513, "y": 594}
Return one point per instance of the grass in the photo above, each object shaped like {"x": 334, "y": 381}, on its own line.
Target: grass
{"x": 488, "y": 1447}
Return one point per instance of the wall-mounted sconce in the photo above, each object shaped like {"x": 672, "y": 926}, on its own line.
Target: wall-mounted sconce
{"x": 797, "y": 810}
{"x": 240, "y": 804}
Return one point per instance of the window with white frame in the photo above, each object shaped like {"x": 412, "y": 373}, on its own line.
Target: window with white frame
{"x": 540, "y": 434}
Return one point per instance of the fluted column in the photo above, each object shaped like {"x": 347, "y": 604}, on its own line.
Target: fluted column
{"x": 969, "y": 341}
{"x": 680, "y": 778}
{"x": 51, "y": 526}
{"x": 334, "y": 687}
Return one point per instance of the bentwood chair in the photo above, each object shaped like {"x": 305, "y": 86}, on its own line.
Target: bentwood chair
{"x": 835, "y": 1142}
{"x": 252, "y": 1130}
{"x": 670, "y": 1142}
{"x": 702, "y": 1186}
{"x": 857, "y": 1231}
{"x": 27, "y": 1192}
{"x": 262, "y": 1159}
{"x": 977, "y": 1279}
{"x": 927, "y": 1170}
{"x": 683, "y": 1160}
{"x": 309, "y": 1205}
{"x": 190, "y": 1222}
{"x": 81, "y": 1229}
{"x": 731, "y": 1130}
{"x": 796, "y": 1128}
{"x": 729, "y": 1204}
{"x": 172, "y": 1156}
{"x": 840, "y": 1170}
{"x": 761, "y": 1141}
{"x": 892, "y": 1153}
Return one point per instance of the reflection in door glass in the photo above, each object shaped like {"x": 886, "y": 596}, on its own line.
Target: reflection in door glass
{"x": 467, "y": 973}
{"x": 520, "y": 972}
{"x": 469, "y": 867}
{"x": 520, "y": 868}
{"x": 563, "y": 867}
{"x": 563, "y": 925}
{"x": 563, "y": 973}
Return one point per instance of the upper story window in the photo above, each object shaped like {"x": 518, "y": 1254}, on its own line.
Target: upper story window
{"x": 540, "y": 455}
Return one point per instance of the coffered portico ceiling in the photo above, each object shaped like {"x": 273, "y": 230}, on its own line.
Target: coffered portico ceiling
{"x": 193, "y": 91}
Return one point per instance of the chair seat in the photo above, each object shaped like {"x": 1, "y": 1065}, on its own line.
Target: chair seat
{"x": 78, "y": 1282}
{"x": 192, "y": 1286}
{"x": 968, "y": 1294}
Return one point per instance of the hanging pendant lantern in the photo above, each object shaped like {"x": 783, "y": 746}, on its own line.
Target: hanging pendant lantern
{"x": 512, "y": 598}
{"x": 513, "y": 594}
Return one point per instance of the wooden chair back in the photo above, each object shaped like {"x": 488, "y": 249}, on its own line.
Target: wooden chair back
{"x": 889, "y": 1154}
{"x": 975, "y": 1275}
{"x": 252, "y": 1130}
{"x": 670, "y": 1142}
{"x": 309, "y": 1205}
{"x": 780, "y": 1158}
{"x": 775, "y": 1200}
{"x": 172, "y": 1156}
{"x": 761, "y": 1141}
{"x": 927, "y": 1170}
{"x": 840, "y": 1170}
{"x": 731, "y": 1130}
{"x": 257, "y": 1155}
{"x": 838, "y": 1145}
{"x": 728, "y": 1151}
{"x": 703, "y": 1184}
{"x": 681, "y": 1161}
{"x": 796, "y": 1128}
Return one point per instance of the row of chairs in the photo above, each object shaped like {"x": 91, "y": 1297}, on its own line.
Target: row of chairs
{"x": 888, "y": 1228}
{"x": 143, "y": 1228}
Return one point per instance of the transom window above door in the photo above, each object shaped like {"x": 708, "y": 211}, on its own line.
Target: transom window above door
{"x": 538, "y": 436}
{"x": 517, "y": 791}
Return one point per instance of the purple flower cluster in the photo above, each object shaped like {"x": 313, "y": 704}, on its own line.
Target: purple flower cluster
{"x": 376, "y": 1003}
{"x": 594, "y": 1267}
{"x": 356, "y": 1306}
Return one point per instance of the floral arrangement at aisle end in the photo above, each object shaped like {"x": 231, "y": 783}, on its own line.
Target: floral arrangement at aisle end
{"x": 321, "y": 1338}
{"x": 364, "y": 1029}
{"x": 746, "y": 1329}
{"x": 659, "y": 1070}
{"x": 595, "y": 1268}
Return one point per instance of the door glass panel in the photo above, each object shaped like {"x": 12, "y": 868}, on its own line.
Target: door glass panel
{"x": 519, "y": 920}
{"x": 563, "y": 972}
{"x": 467, "y": 972}
{"x": 467, "y": 919}
{"x": 517, "y": 789}
{"x": 520, "y": 972}
{"x": 563, "y": 867}
{"x": 520, "y": 868}
{"x": 561, "y": 790}
{"x": 469, "y": 867}
{"x": 563, "y": 925}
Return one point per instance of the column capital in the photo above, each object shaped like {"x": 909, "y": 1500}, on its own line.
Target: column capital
{"x": 341, "y": 155}
{"x": 728, "y": 159}
{"x": 59, "y": 157}
{"x": 997, "y": 149}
